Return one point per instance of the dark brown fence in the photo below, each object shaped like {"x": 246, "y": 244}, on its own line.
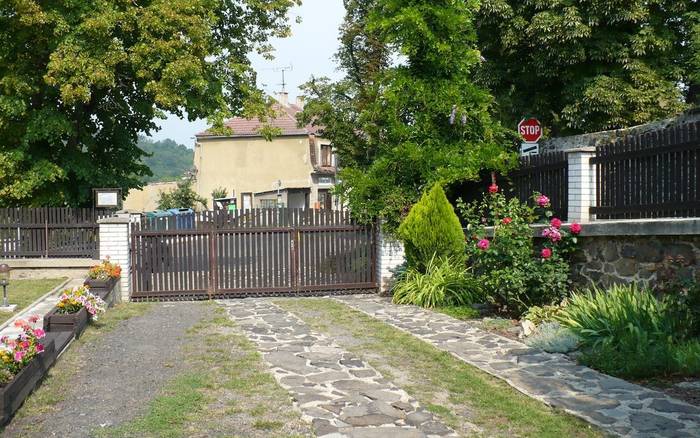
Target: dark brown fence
{"x": 547, "y": 174}
{"x": 260, "y": 252}
{"x": 650, "y": 175}
{"x": 50, "y": 232}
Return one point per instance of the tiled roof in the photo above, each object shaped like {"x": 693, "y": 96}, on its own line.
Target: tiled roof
{"x": 286, "y": 121}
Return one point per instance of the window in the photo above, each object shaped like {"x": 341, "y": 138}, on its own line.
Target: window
{"x": 326, "y": 155}
{"x": 268, "y": 203}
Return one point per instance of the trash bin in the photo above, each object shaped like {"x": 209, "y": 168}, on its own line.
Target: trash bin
{"x": 184, "y": 218}
{"x": 158, "y": 219}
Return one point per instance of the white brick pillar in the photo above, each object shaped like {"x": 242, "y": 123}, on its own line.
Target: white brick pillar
{"x": 115, "y": 244}
{"x": 582, "y": 184}
{"x": 390, "y": 254}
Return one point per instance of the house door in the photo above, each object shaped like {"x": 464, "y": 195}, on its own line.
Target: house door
{"x": 247, "y": 201}
{"x": 325, "y": 199}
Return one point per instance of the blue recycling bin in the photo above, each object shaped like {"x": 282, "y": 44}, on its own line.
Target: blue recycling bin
{"x": 184, "y": 218}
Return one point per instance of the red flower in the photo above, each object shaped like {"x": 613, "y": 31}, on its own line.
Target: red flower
{"x": 546, "y": 253}
{"x": 576, "y": 228}
{"x": 506, "y": 220}
{"x": 556, "y": 223}
{"x": 493, "y": 188}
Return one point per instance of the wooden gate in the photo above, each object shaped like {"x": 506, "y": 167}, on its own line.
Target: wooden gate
{"x": 261, "y": 252}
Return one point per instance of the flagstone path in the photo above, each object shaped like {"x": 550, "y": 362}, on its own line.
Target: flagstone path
{"x": 341, "y": 395}
{"x": 615, "y": 405}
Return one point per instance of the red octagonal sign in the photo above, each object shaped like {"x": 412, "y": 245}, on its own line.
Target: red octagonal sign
{"x": 530, "y": 130}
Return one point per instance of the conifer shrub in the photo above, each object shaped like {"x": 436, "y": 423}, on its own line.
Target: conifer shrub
{"x": 432, "y": 229}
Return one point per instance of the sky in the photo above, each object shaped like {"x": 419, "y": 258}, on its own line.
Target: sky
{"x": 309, "y": 52}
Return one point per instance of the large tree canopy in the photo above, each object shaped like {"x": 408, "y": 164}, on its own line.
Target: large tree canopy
{"x": 407, "y": 114}
{"x": 80, "y": 79}
{"x": 588, "y": 65}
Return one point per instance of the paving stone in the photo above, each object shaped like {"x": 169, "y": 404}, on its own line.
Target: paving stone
{"x": 382, "y": 395}
{"x": 619, "y": 407}
{"x": 369, "y": 420}
{"x": 387, "y": 432}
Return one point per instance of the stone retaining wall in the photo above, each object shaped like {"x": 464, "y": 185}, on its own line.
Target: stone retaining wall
{"x": 605, "y": 260}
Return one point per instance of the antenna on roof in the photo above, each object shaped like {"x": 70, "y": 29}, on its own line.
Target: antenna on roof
{"x": 289, "y": 67}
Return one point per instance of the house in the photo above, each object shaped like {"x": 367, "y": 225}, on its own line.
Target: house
{"x": 296, "y": 169}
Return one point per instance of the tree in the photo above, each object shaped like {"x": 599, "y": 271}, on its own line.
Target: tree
{"x": 400, "y": 127}
{"x": 587, "y": 65}
{"x": 432, "y": 229}
{"x": 166, "y": 159}
{"x": 79, "y": 80}
{"x": 181, "y": 197}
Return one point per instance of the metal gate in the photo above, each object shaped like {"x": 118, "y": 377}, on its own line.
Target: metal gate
{"x": 260, "y": 252}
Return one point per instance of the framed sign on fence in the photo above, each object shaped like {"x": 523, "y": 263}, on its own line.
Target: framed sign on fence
{"x": 107, "y": 198}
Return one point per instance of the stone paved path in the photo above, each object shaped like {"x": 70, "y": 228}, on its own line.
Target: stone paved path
{"x": 341, "y": 395}
{"x": 39, "y": 308}
{"x": 615, "y": 405}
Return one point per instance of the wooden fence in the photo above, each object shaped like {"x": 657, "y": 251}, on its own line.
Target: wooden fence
{"x": 547, "y": 174}
{"x": 47, "y": 232}
{"x": 259, "y": 252}
{"x": 651, "y": 175}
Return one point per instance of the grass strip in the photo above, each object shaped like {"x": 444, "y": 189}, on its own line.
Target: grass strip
{"x": 25, "y": 292}
{"x": 459, "y": 393}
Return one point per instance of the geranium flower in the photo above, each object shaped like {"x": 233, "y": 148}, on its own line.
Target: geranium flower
{"x": 493, "y": 188}
{"x": 546, "y": 253}
{"x": 576, "y": 228}
{"x": 506, "y": 220}
{"x": 543, "y": 201}
{"x": 483, "y": 244}
{"x": 555, "y": 222}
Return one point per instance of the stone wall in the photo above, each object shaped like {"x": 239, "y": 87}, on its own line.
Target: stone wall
{"x": 605, "y": 260}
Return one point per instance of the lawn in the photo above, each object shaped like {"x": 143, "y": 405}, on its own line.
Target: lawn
{"x": 25, "y": 292}
{"x": 465, "y": 398}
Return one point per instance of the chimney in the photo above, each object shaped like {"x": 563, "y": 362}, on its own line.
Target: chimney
{"x": 300, "y": 102}
{"x": 283, "y": 98}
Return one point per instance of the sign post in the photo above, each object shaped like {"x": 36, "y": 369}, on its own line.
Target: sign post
{"x": 530, "y": 130}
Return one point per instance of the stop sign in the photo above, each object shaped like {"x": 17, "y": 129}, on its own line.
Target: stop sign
{"x": 530, "y": 130}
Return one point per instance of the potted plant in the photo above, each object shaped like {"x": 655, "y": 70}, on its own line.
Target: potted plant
{"x": 102, "y": 280}
{"x": 73, "y": 310}
{"x": 23, "y": 361}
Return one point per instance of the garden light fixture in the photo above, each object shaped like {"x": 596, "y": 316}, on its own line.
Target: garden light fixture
{"x": 4, "y": 282}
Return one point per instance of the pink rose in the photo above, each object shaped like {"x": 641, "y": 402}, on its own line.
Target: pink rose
{"x": 552, "y": 234}
{"x": 483, "y": 244}
{"x": 546, "y": 253}
{"x": 506, "y": 220}
{"x": 493, "y": 188}
{"x": 543, "y": 201}
{"x": 556, "y": 223}
{"x": 576, "y": 228}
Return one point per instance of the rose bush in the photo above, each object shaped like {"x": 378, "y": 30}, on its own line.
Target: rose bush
{"x": 516, "y": 270}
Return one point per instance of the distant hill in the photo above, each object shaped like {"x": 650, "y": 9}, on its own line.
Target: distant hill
{"x": 169, "y": 160}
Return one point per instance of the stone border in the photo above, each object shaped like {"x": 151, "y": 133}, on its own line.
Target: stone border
{"x": 615, "y": 405}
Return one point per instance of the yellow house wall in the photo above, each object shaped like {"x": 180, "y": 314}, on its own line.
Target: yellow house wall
{"x": 147, "y": 199}
{"x": 251, "y": 165}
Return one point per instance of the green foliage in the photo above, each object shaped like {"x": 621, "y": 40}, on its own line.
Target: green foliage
{"x": 219, "y": 193}
{"x": 443, "y": 283}
{"x": 680, "y": 290}
{"x": 538, "y": 315}
{"x": 167, "y": 160}
{"x": 432, "y": 228}
{"x": 553, "y": 338}
{"x": 463, "y": 313}
{"x": 400, "y": 127}
{"x": 507, "y": 260}
{"x": 181, "y": 197}
{"x": 588, "y": 65}
{"x": 625, "y": 322}
{"x": 80, "y": 79}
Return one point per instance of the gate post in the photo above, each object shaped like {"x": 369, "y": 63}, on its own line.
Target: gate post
{"x": 390, "y": 254}
{"x": 115, "y": 245}
{"x": 582, "y": 184}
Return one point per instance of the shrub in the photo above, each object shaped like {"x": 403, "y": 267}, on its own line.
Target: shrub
{"x": 442, "y": 283}
{"x": 626, "y": 323}
{"x": 538, "y": 315}
{"x": 516, "y": 273}
{"x": 681, "y": 291}
{"x": 432, "y": 228}
{"x": 553, "y": 338}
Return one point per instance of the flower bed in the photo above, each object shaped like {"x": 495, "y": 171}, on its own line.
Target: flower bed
{"x": 23, "y": 362}
{"x": 66, "y": 322}
{"x": 73, "y": 310}
{"x": 102, "y": 280}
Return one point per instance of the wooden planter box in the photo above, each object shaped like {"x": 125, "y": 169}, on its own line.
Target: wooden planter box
{"x": 104, "y": 289}
{"x": 66, "y": 322}
{"x": 16, "y": 391}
